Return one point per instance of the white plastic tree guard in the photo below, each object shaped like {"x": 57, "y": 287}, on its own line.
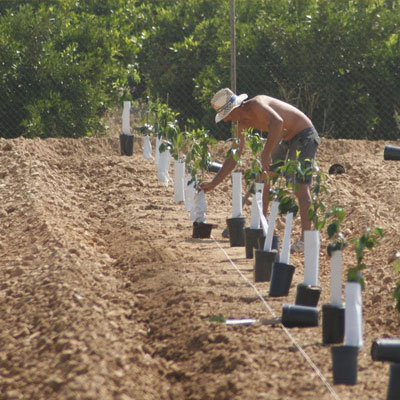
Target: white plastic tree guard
{"x": 270, "y": 232}
{"x": 236, "y": 194}
{"x": 179, "y": 175}
{"x": 336, "y": 278}
{"x": 157, "y": 155}
{"x": 147, "y": 150}
{"x": 198, "y": 212}
{"x": 163, "y": 167}
{"x": 126, "y": 122}
{"x": 190, "y": 192}
{"x": 311, "y": 257}
{"x": 255, "y": 218}
{"x": 353, "y": 333}
{"x": 285, "y": 254}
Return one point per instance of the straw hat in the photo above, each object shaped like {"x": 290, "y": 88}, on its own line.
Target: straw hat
{"x": 224, "y": 101}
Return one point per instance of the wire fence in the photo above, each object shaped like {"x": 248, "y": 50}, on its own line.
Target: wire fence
{"x": 348, "y": 106}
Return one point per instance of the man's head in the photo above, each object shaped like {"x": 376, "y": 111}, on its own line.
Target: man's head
{"x": 224, "y": 101}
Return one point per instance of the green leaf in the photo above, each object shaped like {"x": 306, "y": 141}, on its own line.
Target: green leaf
{"x": 333, "y": 229}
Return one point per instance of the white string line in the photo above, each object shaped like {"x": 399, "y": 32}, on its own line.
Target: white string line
{"x": 301, "y": 350}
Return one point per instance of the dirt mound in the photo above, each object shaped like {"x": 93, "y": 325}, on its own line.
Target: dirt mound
{"x": 104, "y": 294}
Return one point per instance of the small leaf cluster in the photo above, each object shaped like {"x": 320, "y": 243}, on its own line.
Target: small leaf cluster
{"x": 256, "y": 144}
{"x": 336, "y": 216}
{"x": 285, "y": 182}
{"x": 233, "y": 151}
{"x": 164, "y": 120}
{"x": 316, "y": 212}
{"x": 146, "y": 129}
{"x": 165, "y": 125}
{"x": 199, "y": 157}
{"x": 369, "y": 239}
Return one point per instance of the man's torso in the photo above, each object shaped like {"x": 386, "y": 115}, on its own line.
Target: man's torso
{"x": 258, "y": 116}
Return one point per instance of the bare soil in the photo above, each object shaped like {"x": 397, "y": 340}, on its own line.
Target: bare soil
{"x": 105, "y": 295}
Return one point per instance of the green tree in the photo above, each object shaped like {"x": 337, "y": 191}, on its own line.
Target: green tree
{"x": 61, "y": 68}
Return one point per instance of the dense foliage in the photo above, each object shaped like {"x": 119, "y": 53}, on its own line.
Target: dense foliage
{"x": 63, "y": 63}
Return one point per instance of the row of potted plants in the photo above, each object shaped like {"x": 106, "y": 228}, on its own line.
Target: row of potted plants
{"x": 191, "y": 148}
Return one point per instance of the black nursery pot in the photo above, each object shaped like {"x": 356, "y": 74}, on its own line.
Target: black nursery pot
{"x": 214, "y": 166}
{"x": 299, "y": 316}
{"x": 281, "y": 279}
{"x": 344, "y": 364}
{"x": 307, "y": 295}
{"x": 263, "y": 265}
{"x": 274, "y": 245}
{"x": 391, "y": 152}
{"x": 236, "y": 231}
{"x": 201, "y": 230}
{"x": 251, "y": 236}
{"x": 332, "y": 324}
{"x": 126, "y": 144}
{"x": 386, "y": 350}
{"x": 393, "y": 392}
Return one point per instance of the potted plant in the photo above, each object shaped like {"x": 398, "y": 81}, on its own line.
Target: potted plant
{"x": 253, "y": 179}
{"x": 198, "y": 159}
{"x": 161, "y": 115}
{"x": 236, "y": 223}
{"x": 333, "y": 313}
{"x": 268, "y": 252}
{"x": 344, "y": 358}
{"x": 167, "y": 129}
{"x": 126, "y": 137}
{"x": 282, "y": 270}
{"x": 176, "y": 143}
{"x": 309, "y": 291}
{"x": 146, "y": 131}
{"x": 155, "y": 120}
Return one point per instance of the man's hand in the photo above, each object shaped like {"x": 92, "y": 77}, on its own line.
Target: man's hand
{"x": 207, "y": 186}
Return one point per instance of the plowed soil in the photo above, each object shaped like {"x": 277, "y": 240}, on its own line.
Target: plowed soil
{"x": 105, "y": 295}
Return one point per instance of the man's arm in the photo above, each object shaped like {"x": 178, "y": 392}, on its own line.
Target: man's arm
{"x": 274, "y": 137}
{"x": 229, "y": 164}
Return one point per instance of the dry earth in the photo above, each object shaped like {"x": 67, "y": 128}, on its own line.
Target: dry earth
{"x": 105, "y": 295}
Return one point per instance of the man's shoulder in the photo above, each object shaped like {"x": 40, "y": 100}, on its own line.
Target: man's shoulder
{"x": 261, "y": 100}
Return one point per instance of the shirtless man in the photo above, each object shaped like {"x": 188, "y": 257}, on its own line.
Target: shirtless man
{"x": 288, "y": 130}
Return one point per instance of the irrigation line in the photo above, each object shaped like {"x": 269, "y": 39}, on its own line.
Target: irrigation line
{"x": 271, "y": 311}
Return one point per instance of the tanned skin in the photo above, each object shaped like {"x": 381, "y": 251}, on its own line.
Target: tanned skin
{"x": 282, "y": 121}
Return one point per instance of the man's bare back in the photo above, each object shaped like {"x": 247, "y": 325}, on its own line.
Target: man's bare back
{"x": 260, "y": 109}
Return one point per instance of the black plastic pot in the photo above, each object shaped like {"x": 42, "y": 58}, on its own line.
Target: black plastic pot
{"x": 391, "y": 152}
{"x": 126, "y": 144}
{"x": 201, "y": 230}
{"x": 307, "y": 295}
{"x": 393, "y": 392}
{"x": 274, "y": 245}
{"x": 263, "y": 265}
{"x": 344, "y": 364}
{"x": 251, "y": 236}
{"x": 236, "y": 231}
{"x": 332, "y": 324}
{"x": 336, "y": 169}
{"x": 214, "y": 166}
{"x": 386, "y": 350}
{"x": 299, "y": 316}
{"x": 281, "y": 279}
